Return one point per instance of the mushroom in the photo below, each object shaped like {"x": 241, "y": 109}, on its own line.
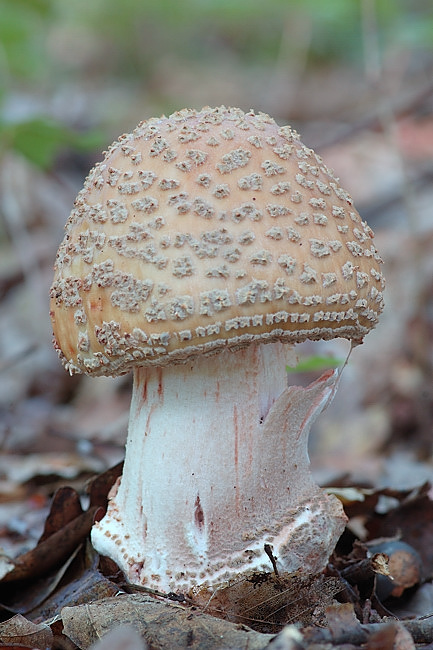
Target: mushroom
{"x": 200, "y": 249}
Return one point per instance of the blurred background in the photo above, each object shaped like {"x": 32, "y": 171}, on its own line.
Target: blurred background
{"x": 355, "y": 77}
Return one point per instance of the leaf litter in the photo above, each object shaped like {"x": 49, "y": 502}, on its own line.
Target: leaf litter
{"x": 56, "y": 592}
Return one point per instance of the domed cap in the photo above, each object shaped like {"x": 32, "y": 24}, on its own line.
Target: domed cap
{"x": 204, "y": 230}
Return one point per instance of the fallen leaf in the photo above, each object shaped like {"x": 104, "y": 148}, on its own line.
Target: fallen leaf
{"x": 266, "y": 602}
{"x": 99, "y": 487}
{"x": 65, "y": 507}
{"x": 19, "y": 630}
{"x": 391, "y": 636}
{"x": 160, "y": 624}
{"x": 412, "y": 521}
{"x": 341, "y": 620}
{"x": 23, "y": 596}
{"x": 88, "y": 585}
{"x": 53, "y": 550}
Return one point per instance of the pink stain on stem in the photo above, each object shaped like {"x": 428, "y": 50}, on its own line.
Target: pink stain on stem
{"x": 236, "y": 456}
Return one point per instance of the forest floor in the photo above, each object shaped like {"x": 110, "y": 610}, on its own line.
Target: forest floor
{"x": 60, "y": 435}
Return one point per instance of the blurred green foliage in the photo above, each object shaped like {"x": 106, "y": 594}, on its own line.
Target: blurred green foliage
{"x": 40, "y": 139}
{"x": 24, "y": 65}
{"x": 22, "y": 28}
{"x": 252, "y": 29}
{"x": 46, "y": 44}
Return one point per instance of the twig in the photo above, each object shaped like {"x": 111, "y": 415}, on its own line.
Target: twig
{"x": 364, "y": 570}
{"x": 271, "y": 556}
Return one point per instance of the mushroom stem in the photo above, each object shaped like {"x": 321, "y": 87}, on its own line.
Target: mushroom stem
{"x": 216, "y": 467}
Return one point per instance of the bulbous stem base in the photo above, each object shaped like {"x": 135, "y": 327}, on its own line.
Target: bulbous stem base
{"x": 216, "y": 467}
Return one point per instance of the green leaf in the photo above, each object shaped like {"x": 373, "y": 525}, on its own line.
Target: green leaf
{"x": 315, "y": 364}
{"x": 41, "y": 139}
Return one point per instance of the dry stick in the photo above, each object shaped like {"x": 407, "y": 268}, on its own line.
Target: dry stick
{"x": 54, "y": 550}
{"x": 366, "y": 569}
{"x": 268, "y": 551}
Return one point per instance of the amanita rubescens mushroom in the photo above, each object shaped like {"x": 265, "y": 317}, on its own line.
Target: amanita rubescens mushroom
{"x": 198, "y": 251}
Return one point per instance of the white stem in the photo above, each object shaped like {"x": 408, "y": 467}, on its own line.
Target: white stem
{"x": 217, "y": 466}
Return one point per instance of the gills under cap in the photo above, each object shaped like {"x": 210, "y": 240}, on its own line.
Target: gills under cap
{"x": 207, "y": 230}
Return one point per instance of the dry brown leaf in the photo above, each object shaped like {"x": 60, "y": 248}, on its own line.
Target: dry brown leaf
{"x": 18, "y": 630}
{"x": 267, "y": 602}
{"x": 54, "y": 550}
{"x": 99, "y": 487}
{"x": 76, "y": 582}
{"x": 23, "y": 596}
{"x": 65, "y": 507}
{"x": 86, "y": 586}
{"x": 341, "y": 618}
{"x": 391, "y": 636}
{"x": 411, "y": 521}
{"x": 160, "y": 624}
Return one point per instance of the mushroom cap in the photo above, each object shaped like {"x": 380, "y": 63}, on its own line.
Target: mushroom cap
{"x": 205, "y": 230}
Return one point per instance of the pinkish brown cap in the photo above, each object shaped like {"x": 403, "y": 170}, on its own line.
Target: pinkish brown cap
{"x": 207, "y": 230}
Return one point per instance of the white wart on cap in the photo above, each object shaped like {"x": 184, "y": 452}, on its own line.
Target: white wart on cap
{"x": 206, "y": 230}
